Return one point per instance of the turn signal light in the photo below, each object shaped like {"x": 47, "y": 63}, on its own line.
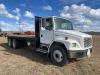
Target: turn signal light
{"x": 66, "y": 38}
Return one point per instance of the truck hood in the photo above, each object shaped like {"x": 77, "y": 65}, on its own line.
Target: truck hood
{"x": 73, "y": 32}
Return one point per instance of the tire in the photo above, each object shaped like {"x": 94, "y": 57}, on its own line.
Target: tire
{"x": 15, "y": 44}
{"x": 10, "y": 42}
{"x": 59, "y": 56}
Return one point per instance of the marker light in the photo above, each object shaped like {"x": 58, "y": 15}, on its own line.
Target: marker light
{"x": 66, "y": 38}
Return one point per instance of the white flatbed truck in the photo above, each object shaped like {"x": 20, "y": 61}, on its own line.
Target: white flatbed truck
{"x": 56, "y": 37}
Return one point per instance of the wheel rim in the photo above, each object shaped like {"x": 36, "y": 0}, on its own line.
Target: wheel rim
{"x": 14, "y": 43}
{"x": 58, "y": 56}
{"x": 9, "y": 42}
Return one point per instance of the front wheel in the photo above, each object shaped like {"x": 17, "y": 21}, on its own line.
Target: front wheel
{"x": 59, "y": 56}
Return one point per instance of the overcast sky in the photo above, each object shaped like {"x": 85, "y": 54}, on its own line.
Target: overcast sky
{"x": 84, "y": 14}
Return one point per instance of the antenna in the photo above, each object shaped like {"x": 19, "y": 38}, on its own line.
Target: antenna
{"x": 19, "y": 23}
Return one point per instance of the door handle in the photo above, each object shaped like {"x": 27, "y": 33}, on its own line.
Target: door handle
{"x": 41, "y": 35}
{"x": 56, "y": 35}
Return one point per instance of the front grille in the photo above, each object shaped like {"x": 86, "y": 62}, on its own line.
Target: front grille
{"x": 87, "y": 42}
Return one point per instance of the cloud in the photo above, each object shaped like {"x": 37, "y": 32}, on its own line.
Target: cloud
{"x": 23, "y": 5}
{"x": 5, "y": 13}
{"x": 82, "y": 28}
{"x": 47, "y": 8}
{"x": 81, "y": 14}
{"x": 17, "y": 11}
{"x": 29, "y": 14}
{"x": 95, "y": 13}
{"x": 7, "y": 27}
{"x": 74, "y": 11}
{"x": 25, "y": 26}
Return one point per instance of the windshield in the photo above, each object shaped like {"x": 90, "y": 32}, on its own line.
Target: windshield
{"x": 63, "y": 24}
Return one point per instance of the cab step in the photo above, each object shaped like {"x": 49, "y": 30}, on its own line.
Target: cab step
{"x": 42, "y": 50}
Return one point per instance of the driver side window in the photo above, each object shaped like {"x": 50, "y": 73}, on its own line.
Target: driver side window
{"x": 48, "y": 24}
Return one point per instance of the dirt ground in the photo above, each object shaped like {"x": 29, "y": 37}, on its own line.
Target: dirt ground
{"x": 26, "y": 61}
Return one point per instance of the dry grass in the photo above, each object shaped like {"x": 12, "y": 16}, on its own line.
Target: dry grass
{"x": 26, "y": 61}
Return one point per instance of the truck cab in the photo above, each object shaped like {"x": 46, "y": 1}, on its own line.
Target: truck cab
{"x": 57, "y": 37}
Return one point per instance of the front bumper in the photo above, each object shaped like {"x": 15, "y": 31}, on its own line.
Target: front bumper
{"x": 79, "y": 53}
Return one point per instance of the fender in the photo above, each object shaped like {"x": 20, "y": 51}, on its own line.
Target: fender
{"x": 67, "y": 44}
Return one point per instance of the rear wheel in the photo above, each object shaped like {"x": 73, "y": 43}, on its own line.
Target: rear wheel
{"x": 10, "y": 42}
{"x": 59, "y": 56}
{"x": 15, "y": 43}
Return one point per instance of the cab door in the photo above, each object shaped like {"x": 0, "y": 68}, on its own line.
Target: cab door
{"x": 47, "y": 31}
